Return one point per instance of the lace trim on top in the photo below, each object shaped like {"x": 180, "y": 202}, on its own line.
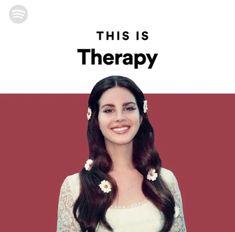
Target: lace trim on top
{"x": 134, "y": 205}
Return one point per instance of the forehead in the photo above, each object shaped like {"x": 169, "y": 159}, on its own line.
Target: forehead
{"x": 116, "y": 95}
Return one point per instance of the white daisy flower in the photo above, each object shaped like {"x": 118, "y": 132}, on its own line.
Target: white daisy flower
{"x": 88, "y": 164}
{"x": 152, "y": 174}
{"x": 89, "y": 113}
{"x": 105, "y": 186}
{"x": 145, "y": 106}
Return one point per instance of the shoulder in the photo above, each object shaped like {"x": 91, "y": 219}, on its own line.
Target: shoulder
{"x": 72, "y": 179}
{"x": 170, "y": 180}
{"x": 71, "y": 184}
{"x": 168, "y": 176}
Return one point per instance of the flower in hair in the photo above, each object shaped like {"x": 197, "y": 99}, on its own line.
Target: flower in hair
{"x": 152, "y": 174}
{"x": 105, "y": 186}
{"x": 89, "y": 113}
{"x": 145, "y": 106}
{"x": 88, "y": 164}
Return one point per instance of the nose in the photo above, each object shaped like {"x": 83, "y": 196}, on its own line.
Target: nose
{"x": 120, "y": 116}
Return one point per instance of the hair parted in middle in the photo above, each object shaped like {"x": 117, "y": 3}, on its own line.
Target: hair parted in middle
{"x": 92, "y": 204}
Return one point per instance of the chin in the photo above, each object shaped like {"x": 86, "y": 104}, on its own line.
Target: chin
{"x": 120, "y": 141}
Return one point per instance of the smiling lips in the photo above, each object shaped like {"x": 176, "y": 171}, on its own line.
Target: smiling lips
{"x": 120, "y": 130}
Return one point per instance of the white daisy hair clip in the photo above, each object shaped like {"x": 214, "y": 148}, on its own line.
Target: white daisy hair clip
{"x": 152, "y": 174}
{"x": 145, "y": 106}
{"x": 89, "y": 113}
{"x": 88, "y": 164}
{"x": 105, "y": 186}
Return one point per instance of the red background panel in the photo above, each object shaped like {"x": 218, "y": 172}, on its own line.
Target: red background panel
{"x": 43, "y": 139}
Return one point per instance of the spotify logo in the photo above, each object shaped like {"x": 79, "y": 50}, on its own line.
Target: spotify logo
{"x": 18, "y": 14}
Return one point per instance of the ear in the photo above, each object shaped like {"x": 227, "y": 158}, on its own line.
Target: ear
{"x": 141, "y": 119}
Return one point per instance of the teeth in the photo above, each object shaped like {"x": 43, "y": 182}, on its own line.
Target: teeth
{"x": 120, "y": 129}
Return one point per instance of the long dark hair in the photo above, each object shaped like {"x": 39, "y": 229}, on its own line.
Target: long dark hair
{"x": 92, "y": 204}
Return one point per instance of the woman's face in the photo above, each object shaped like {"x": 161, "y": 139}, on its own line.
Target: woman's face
{"x": 119, "y": 117}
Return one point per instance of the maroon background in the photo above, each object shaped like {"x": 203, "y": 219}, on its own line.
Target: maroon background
{"x": 43, "y": 139}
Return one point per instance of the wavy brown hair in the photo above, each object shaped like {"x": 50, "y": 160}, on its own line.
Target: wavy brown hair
{"x": 91, "y": 206}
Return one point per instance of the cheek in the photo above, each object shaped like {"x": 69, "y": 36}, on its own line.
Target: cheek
{"x": 140, "y": 119}
{"x": 136, "y": 122}
{"x": 102, "y": 122}
{"x": 137, "y": 118}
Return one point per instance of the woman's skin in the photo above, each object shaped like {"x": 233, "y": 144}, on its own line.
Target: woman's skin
{"x": 119, "y": 121}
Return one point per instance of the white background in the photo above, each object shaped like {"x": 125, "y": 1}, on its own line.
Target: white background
{"x": 195, "y": 41}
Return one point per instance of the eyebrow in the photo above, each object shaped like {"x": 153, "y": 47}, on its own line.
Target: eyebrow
{"x": 124, "y": 104}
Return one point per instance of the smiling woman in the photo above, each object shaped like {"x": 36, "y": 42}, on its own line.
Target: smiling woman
{"x": 122, "y": 186}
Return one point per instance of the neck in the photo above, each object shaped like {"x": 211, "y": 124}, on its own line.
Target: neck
{"x": 121, "y": 156}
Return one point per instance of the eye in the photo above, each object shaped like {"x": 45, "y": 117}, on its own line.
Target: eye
{"x": 130, "y": 108}
{"x": 108, "y": 110}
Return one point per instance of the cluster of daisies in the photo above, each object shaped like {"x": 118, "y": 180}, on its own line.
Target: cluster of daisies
{"x": 105, "y": 185}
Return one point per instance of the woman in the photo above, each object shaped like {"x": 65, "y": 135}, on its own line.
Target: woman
{"x": 122, "y": 187}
